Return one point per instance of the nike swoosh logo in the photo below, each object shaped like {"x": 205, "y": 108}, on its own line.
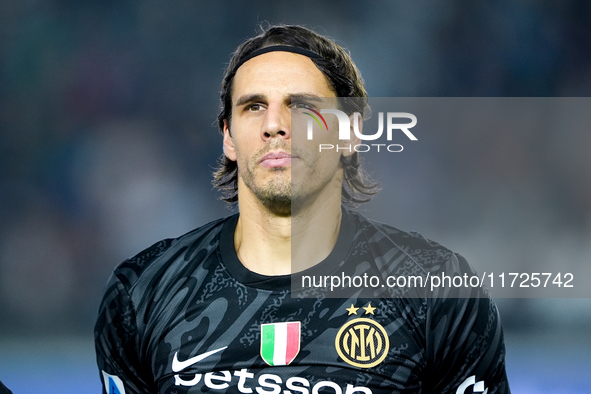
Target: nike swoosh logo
{"x": 178, "y": 366}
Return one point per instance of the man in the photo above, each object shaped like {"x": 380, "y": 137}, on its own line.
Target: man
{"x": 213, "y": 310}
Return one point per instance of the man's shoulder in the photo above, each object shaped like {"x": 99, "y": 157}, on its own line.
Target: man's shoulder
{"x": 397, "y": 253}
{"x": 159, "y": 257}
{"x": 386, "y": 238}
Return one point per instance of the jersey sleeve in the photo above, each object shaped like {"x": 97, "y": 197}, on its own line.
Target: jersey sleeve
{"x": 4, "y": 389}
{"x": 465, "y": 342}
{"x": 117, "y": 343}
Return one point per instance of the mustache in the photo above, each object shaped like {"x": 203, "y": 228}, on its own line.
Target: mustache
{"x": 297, "y": 152}
{"x": 275, "y": 145}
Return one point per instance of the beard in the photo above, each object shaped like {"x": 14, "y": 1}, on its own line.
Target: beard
{"x": 282, "y": 195}
{"x": 274, "y": 194}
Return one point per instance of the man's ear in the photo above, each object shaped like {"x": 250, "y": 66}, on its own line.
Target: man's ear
{"x": 355, "y": 140}
{"x": 229, "y": 148}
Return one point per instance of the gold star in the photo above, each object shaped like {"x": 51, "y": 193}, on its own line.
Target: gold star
{"x": 369, "y": 309}
{"x": 352, "y": 310}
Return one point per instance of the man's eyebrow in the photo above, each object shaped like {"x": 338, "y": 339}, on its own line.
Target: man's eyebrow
{"x": 249, "y": 98}
{"x": 307, "y": 96}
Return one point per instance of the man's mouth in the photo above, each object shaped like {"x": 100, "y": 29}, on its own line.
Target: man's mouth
{"x": 276, "y": 159}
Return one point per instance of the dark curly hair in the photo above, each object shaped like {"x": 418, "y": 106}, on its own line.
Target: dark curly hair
{"x": 345, "y": 80}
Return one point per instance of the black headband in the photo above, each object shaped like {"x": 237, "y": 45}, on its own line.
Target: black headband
{"x": 282, "y": 48}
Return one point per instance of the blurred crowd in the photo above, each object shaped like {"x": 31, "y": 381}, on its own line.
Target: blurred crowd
{"x": 107, "y": 136}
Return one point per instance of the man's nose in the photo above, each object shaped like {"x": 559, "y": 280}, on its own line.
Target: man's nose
{"x": 277, "y": 122}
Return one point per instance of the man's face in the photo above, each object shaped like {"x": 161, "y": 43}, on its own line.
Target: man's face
{"x": 268, "y": 90}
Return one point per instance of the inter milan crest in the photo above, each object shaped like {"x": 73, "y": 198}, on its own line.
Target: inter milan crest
{"x": 280, "y": 342}
{"x": 362, "y": 342}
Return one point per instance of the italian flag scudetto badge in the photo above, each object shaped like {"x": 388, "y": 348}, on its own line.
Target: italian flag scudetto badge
{"x": 280, "y": 342}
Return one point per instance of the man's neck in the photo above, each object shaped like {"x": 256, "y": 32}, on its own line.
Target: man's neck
{"x": 278, "y": 245}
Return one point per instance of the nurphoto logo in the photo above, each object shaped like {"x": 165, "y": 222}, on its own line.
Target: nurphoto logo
{"x": 345, "y": 129}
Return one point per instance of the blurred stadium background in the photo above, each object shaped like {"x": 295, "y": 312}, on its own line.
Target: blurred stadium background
{"x": 107, "y": 145}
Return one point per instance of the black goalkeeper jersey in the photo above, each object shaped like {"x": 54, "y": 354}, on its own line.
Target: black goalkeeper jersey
{"x": 185, "y": 316}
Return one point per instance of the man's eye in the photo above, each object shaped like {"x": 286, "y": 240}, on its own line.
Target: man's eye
{"x": 301, "y": 105}
{"x": 254, "y": 108}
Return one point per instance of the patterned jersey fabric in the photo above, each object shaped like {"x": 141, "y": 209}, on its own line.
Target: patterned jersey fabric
{"x": 185, "y": 316}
